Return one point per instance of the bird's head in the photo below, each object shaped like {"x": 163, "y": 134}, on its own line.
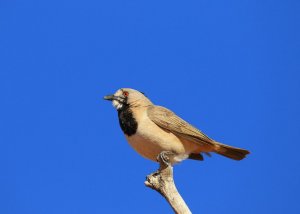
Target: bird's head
{"x": 127, "y": 97}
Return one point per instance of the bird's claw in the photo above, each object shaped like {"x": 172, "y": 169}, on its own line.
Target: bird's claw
{"x": 164, "y": 157}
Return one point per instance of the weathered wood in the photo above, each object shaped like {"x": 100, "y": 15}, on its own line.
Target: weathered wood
{"x": 162, "y": 181}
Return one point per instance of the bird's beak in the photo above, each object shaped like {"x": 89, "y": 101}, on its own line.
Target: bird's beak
{"x": 109, "y": 97}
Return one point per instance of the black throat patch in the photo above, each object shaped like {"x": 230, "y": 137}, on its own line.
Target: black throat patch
{"x": 127, "y": 121}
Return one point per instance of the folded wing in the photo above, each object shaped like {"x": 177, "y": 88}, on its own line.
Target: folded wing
{"x": 169, "y": 121}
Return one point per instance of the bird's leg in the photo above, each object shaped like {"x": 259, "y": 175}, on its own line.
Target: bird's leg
{"x": 165, "y": 157}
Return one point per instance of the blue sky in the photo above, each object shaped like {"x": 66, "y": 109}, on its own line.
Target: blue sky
{"x": 231, "y": 68}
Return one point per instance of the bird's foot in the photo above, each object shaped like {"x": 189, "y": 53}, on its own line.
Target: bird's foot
{"x": 165, "y": 157}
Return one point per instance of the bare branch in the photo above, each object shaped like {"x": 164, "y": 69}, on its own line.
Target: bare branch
{"x": 162, "y": 181}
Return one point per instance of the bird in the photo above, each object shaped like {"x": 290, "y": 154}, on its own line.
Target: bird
{"x": 154, "y": 131}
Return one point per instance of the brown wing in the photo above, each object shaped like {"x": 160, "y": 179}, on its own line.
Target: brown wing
{"x": 169, "y": 121}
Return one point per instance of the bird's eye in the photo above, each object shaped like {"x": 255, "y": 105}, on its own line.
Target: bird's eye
{"x": 125, "y": 93}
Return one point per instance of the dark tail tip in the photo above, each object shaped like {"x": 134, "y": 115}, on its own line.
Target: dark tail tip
{"x": 231, "y": 152}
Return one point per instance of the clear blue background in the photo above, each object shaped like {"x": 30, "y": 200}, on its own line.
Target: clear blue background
{"x": 231, "y": 68}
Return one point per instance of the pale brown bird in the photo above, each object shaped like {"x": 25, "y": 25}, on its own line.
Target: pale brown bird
{"x": 153, "y": 130}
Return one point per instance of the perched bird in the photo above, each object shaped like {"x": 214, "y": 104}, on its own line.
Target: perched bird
{"x": 154, "y": 130}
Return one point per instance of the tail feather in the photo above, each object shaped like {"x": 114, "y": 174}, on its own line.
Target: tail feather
{"x": 194, "y": 156}
{"x": 230, "y": 151}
